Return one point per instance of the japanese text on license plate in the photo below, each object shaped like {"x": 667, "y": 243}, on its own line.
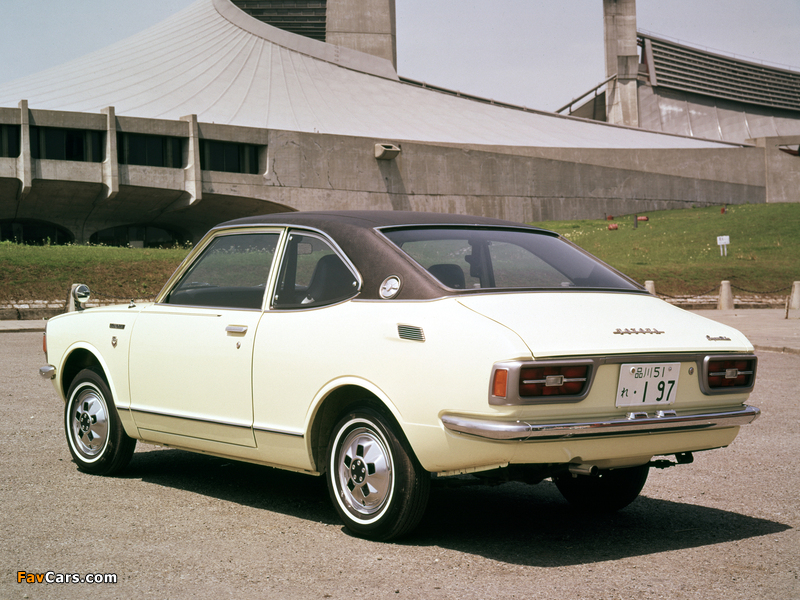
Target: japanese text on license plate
{"x": 649, "y": 384}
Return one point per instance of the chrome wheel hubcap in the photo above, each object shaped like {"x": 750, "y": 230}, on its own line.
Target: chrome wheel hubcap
{"x": 365, "y": 472}
{"x": 89, "y": 422}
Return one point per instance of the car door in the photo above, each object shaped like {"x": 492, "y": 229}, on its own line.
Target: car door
{"x": 191, "y": 354}
{"x": 306, "y": 308}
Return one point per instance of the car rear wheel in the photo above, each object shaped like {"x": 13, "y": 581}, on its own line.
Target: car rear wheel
{"x": 95, "y": 436}
{"x": 376, "y": 483}
{"x": 606, "y": 492}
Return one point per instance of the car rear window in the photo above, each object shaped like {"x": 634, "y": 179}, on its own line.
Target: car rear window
{"x": 488, "y": 258}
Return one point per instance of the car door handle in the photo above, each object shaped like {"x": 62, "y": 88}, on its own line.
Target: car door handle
{"x": 236, "y": 329}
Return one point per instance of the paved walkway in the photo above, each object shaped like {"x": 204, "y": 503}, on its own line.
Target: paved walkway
{"x": 766, "y": 328}
{"x": 11, "y": 326}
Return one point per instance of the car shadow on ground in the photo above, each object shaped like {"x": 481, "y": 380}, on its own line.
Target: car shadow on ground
{"x": 513, "y": 523}
{"x": 256, "y": 486}
{"x": 533, "y": 526}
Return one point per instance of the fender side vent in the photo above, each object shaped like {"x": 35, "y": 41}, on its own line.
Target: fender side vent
{"x": 411, "y": 332}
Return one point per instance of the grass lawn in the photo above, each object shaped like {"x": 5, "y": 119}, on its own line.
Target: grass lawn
{"x": 676, "y": 249}
{"x": 47, "y": 272}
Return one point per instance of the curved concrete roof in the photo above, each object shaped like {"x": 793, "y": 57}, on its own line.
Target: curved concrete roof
{"x": 217, "y": 62}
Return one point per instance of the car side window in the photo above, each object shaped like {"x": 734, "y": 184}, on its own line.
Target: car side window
{"x": 312, "y": 274}
{"x": 231, "y": 272}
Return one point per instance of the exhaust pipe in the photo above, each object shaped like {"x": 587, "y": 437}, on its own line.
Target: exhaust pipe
{"x": 589, "y": 470}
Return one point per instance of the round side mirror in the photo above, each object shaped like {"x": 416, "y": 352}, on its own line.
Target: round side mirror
{"x": 81, "y": 294}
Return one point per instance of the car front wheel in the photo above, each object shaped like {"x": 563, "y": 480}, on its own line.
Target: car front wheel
{"x": 607, "y": 492}
{"x": 376, "y": 483}
{"x": 95, "y": 436}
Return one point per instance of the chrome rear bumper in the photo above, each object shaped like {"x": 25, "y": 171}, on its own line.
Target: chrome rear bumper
{"x": 634, "y": 423}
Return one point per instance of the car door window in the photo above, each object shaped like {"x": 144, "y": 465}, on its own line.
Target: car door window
{"x": 312, "y": 274}
{"x": 232, "y": 272}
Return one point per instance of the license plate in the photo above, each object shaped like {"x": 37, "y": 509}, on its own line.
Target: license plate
{"x": 649, "y": 384}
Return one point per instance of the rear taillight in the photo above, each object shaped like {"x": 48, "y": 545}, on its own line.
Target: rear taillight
{"x": 500, "y": 383}
{"x": 553, "y": 380}
{"x": 736, "y": 373}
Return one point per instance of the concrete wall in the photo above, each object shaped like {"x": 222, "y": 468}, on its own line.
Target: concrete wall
{"x": 521, "y": 184}
{"x": 364, "y": 25}
{"x": 782, "y": 170}
{"x": 303, "y": 171}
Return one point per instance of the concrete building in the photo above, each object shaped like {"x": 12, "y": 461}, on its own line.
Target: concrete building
{"x": 660, "y": 85}
{"x": 215, "y": 114}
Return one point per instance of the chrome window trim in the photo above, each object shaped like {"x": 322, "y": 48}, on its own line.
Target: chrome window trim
{"x": 196, "y": 307}
{"x": 278, "y": 264}
{"x": 637, "y": 287}
{"x": 701, "y": 359}
{"x": 198, "y": 250}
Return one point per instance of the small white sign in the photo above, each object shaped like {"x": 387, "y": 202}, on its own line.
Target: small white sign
{"x": 722, "y": 242}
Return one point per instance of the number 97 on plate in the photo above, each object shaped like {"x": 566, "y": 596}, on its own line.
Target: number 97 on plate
{"x": 647, "y": 384}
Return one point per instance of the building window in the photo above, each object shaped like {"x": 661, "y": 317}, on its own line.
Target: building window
{"x": 9, "y": 141}
{"x": 303, "y": 17}
{"x": 228, "y": 156}
{"x": 53, "y": 143}
{"x": 150, "y": 150}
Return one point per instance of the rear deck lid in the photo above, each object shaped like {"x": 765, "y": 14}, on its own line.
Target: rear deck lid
{"x": 574, "y": 323}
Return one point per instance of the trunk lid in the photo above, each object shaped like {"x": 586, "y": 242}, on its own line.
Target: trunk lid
{"x": 573, "y": 323}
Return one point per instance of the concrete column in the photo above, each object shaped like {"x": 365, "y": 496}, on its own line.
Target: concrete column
{"x": 111, "y": 162}
{"x": 794, "y": 300}
{"x": 725, "y": 301}
{"x": 622, "y": 59}
{"x": 650, "y": 286}
{"x": 24, "y": 162}
{"x": 193, "y": 174}
{"x": 364, "y": 25}
{"x": 781, "y": 169}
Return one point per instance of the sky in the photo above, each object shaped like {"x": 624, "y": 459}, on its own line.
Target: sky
{"x": 535, "y": 53}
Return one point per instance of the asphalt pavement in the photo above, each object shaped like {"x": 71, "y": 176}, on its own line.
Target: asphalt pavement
{"x": 768, "y": 329}
{"x": 182, "y": 525}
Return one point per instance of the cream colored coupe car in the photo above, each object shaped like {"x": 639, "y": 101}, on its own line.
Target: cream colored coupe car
{"x": 386, "y": 349}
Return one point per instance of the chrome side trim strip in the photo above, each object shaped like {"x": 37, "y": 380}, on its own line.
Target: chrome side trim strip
{"x": 667, "y": 423}
{"x": 297, "y": 434}
{"x": 135, "y": 409}
{"x": 159, "y": 413}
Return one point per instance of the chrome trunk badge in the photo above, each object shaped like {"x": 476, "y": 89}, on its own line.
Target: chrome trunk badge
{"x": 637, "y": 331}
